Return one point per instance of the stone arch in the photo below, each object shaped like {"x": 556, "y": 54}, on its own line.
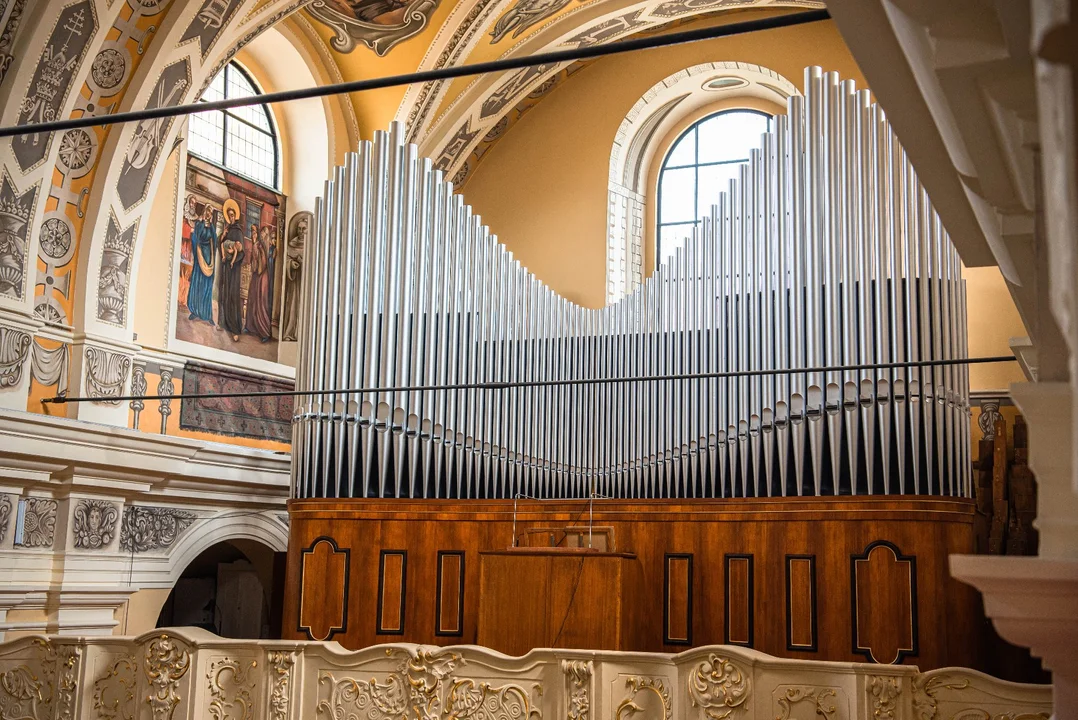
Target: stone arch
{"x": 261, "y": 527}
{"x": 639, "y": 139}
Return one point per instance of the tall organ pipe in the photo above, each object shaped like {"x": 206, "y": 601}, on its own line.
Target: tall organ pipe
{"x": 825, "y": 251}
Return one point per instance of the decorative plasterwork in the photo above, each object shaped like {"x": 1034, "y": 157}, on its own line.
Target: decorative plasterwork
{"x": 14, "y": 351}
{"x": 718, "y": 686}
{"x": 5, "y": 516}
{"x": 16, "y": 209}
{"x": 146, "y": 529}
{"x": 106, "y": 373}
{"x": 94, "y": 523}
{"x": 231, "y": 684}
{"x": 578, "y": 675}
{"x": 647, "y": 695}
{"x": 38, "y": 523}
{"x": 821, "y": 698}
{"x": 378, "y": 26}
{"x": 883, "y": 692}
{"x": 166, "y": 661}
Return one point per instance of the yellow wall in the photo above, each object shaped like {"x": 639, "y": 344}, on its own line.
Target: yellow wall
{"x": 151, "y": 306}
{"x": 543, "y": 187}
{"x": 140, "y": 613}
{"x": 992, "y": 320}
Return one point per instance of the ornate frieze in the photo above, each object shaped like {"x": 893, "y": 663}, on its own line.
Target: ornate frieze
{"x": 38, "y": 523}
{"x": 106, "y": 373}
{"x": 7, "y": 37}
{"x": 94, "y": 523}
{"x": 145, "y": 529}
{"x": 166, "y": 661}
{"x": 14, "y": 350}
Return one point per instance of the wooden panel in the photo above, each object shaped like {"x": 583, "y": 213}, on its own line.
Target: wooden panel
{"x": 449, "y": 612}
{"x": 677, "y": 607}
{"x": 739, "y": 600}
{"x": 392, "y": 581}
{"x": 950, "y": 613}
{"x": 801, "y": 603}
{"x": 323, "y": 609}
{"x": 883, "y": 582}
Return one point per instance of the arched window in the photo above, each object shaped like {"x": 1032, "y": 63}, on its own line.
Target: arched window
{"x": 242, "y": 139}
{"x": 699, "y": 167}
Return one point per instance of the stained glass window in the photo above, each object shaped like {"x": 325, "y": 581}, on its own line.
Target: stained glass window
{"x": 242, "y": 139}
{"x": 698, "y": 167}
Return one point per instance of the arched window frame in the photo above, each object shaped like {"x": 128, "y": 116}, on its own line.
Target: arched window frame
{"x": 695, "y": 165}
{"x": 229, "y": 116}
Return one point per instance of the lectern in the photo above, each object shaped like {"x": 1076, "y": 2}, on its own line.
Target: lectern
{"x": 538, "y": 597}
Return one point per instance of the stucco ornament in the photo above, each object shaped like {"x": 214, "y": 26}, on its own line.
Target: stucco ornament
{"x": 38, "y": 522}
{"x": 152, "y": 528}
{"x": 95, "y": 523}
{"x": 14, "y": 350}
{"x": 5, "y": 515}
{"x": 718, "y": 686}
{"x": 106, "y": 373}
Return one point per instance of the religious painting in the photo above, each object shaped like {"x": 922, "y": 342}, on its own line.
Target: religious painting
{"x": 378, "y": 24}
{"x": 231, "y": 263}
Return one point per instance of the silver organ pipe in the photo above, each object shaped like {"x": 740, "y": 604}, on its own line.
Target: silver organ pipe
{"x": 824, "y": 252}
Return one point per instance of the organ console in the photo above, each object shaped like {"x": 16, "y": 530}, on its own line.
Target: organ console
{"x": 724, "y": 374}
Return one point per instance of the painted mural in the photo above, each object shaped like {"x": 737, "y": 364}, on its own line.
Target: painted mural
{"x": 231, "y": 263}
{"x": 378, "y": 24}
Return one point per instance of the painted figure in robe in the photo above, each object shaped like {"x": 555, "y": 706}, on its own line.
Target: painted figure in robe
{"x": 204, "y": 249}
{"x": 229, "y": 295}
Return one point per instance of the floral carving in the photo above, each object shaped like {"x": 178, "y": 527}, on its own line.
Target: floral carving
{"x": 578, "y": 675}
{"x": 14, "y": 349}
{"x": 806, "y": 693}
{"x": 70, "y": 657}
{"x": 152, "y": 528}
{"x": 646, "y": 695}
{"x": 38, "y": 522}
{"x": 26, "y": 690}
{"x": 114, "y": 692}
{"x": 166, "y": 662}
{"x": 281, "y": 663}
{"x": 95, "y": 523}
{"x": 230, "y": 687}
{"x": 718, "y": 686}
{"x": 883, "y": 692}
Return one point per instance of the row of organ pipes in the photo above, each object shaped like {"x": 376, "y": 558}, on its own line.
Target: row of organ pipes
{"x": 826, "y": 252}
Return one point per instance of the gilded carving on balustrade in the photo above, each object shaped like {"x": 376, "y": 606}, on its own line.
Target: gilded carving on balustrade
{"x": 718, "y": 686}
{"x": 166, "y": 662}
{"x": 578, "y": 674}
{"x": 822, "y": 698}
{"x": 281, "y": 664}
{"x": 115, "y": 691}
{"x": 883, "y": 695}
{"x": 232, "y": 687}
{"x": 423, "y": 687}
{"x": 646, "y": 695}
{"x": 28, "y": 685}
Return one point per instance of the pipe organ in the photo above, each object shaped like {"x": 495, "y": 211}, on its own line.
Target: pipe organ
{"x": 824, "y": 253}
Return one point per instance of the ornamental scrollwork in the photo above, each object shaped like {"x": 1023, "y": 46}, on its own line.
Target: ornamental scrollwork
{"x": 27, "y": 690}
{"x": 469, "y": 700}
{"x": 166, "y": 662}
{"x": 578, "y": 675}
{"x": 924, "y": 693}
{"x": 719, "y": 687}
{"x": 5, "y": 515}
{"x": 818, "y": 696}
{"x": 94, "y": 524}
{"x": 411, "y": 692}
{"x": 230, "y": 686}
{"x": 883, "y": 693}
{"x": 281, "y": 665}
{"x": 69, "y": 658}
{"x": 647, "y": 695}
{"x": 147, "y": 528}
{"x": 114, "y": 692}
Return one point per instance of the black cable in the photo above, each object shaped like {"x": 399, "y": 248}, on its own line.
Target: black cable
{"x": 516, "y": 63}
{"x": 61, "y": 400}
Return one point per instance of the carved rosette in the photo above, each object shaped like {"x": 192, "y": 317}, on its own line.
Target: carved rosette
{"x": 231, "y": 684}
{"x": 94, "y": 523}
{"x": 106, "y": 373}
{"x": 166, "y": 662}
{"x": 38, "y": 522}
{"x": 280, "y": 664}
{"x": 718, "y": 686}
{"x": 883, "y": 694}
{"x": 14, "y": 350}
{"x": 578, "y": 674}
{"x": 145, "y": 529}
